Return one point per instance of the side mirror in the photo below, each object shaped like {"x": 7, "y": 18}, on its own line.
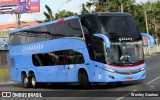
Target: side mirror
{"x": 105, "y": 38}
{"x": 150, "y": 38}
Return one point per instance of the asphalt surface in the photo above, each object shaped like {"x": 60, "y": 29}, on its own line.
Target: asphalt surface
{"x": 99, "y": 92}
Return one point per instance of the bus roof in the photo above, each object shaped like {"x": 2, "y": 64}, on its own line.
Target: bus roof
{"x": 41, "y": 24}
{"x": 75, "y": 16}
{"x": 105, "y": 14}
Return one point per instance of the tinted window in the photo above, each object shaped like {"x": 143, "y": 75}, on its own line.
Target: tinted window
{"x": 63, "y": 57}
{"x": 69, "y": 28}
{"x": 119, "y": 26}
{"x": 29, "y": 36}
{"x": 91, "y": 23}
{"x": 95, "y": 49}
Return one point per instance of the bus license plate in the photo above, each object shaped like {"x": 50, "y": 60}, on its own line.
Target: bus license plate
{"x": 128, "y": 79}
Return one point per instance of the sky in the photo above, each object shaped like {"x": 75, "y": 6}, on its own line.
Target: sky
{"x": 55, "y": 5}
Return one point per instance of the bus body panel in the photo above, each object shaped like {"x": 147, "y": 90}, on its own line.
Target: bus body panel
{"x": 22, "y": 56}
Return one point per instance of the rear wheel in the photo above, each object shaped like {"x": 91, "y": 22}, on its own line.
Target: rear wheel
{"x": 25, "y": 81}
{"x": 33, "y": 81}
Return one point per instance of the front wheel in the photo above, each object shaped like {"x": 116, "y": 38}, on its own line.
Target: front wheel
{"x": 83, "y": 80}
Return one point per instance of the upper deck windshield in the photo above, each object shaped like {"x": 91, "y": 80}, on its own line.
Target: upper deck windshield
{"x": 119, "y": 26}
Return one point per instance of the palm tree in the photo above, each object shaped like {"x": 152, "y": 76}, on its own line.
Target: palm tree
{"x": 48, "y": 14}
{"x": 84, "y": 10}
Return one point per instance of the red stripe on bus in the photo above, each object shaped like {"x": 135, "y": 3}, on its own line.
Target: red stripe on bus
{"x": 126, "y": 66}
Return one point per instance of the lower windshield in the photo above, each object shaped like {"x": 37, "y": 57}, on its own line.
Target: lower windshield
{"x": 122, "y": 53}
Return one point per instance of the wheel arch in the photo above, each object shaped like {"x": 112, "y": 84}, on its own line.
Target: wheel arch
{"x": 23, "y": 73}
{"x": 80, "y": 70}
{"x": 31, "y": 72}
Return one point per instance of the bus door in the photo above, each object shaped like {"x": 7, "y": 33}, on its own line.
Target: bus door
{"x": 97, "y": 54}
{"x": 61, "y": 64}
{"x": 74, "y": 59}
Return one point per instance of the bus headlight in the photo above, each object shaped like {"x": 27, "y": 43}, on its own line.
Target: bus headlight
{"x": 110, "y": 70}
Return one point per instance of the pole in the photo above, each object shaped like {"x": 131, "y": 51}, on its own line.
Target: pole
{"x": 121, "y": 8}
{"x": 146, "y": 21}
{"x": 149, "y": 49}
{"x": 18, "y": 22}
{"x": 62, "y": 5}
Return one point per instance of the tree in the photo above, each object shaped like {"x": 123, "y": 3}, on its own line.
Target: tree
{"x": 48, "y": 14}
{"x": 84, "y": 10}
{"x": 119, "y": 5}
{"x": 63, "y": 14}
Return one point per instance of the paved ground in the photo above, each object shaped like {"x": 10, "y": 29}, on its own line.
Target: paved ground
{"x": 99, "y": 92}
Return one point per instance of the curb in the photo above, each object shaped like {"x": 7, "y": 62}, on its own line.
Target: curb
{"x": 7, "y": 83}
{"x": 152, "y": 55}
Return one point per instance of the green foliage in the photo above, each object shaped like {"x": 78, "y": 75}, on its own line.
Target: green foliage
{"x": 63, "y": 14}
{"x": 48, "y": 14}
{"x": 152, "y": 8}
{"x": 84, "y": 10}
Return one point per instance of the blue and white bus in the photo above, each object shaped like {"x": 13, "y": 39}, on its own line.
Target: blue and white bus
{"x": 84, "y": 49}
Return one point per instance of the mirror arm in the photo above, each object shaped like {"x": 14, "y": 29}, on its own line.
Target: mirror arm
{"x": 150, "y": 38}
{"x": 105, "y": 38}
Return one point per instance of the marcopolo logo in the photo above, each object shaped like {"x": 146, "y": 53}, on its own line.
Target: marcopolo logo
{"x": 32, "y": 48}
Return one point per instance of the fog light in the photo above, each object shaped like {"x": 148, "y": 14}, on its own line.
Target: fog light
{"x": 111, "y": 77}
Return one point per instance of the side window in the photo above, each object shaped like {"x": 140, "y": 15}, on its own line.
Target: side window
{"x": 73, "y": 28}
{"x": 75, "y": 57}
{"x": 59, "y": 30}
{"x": 96, "y": 49}
{"x": 68, "y": 28}
{"x": 32, "y": 35}
{"x": 91, "y": 24}
{"x": 63, "y": 57}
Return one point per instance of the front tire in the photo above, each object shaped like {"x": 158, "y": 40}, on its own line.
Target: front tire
{"x": 84, "y": 81}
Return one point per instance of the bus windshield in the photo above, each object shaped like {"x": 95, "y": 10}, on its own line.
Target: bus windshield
{"x": 119, "y": 26}
{"x": 122, "y": 53}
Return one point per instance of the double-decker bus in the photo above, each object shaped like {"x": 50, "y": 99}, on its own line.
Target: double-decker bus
{"x": 84, "y": 49}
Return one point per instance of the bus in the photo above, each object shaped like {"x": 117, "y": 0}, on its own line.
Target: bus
{"x": 84, "y": 49}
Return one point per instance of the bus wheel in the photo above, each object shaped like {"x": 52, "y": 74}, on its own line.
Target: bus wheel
{"x": 26, "y": 81}
{"x": 33, "y": 81}
{"x": 83, "y": 80}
